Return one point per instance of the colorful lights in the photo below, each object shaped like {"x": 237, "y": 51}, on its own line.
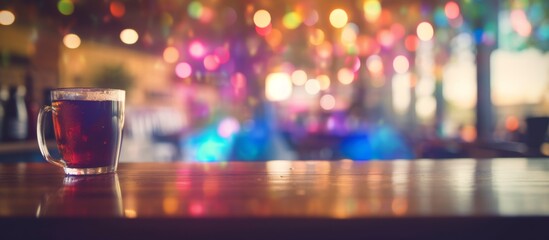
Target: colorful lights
{"x": 129, "y": 36}
{"x": 425, "y": 107}
{"x": 183, "y": 70}
{"x": 264, "y": 31}
{"x": 372, "y": 10}
{"x": 425, "y": 31}
{"x": 71, "y": 41}
{"x": 401, "y": 93}
{"x": 324, "y": 81}
{"x": 338, "y": 18}
{"x": 520, "y": 23}
{"x": 316, "y": 37}
{"x": 6, "y": 17}
{"x": 65, "y": 7}
{"x": 278, "y": 86}
{"x": 349, "y": 33}
{"x": 211, "y": 62}
{"x": 299, "y": 77}
{"x": 228, "y": 127}
{"x": 451, "y": 9}
{"x": 170, "y": 55}
{"x": 197, "y": 49}
{"x": 291, "y": 20}
{"x": 410, "y": 43}
{"x": 385, "y": 38}
{"x": 401, "y": 64}
{"x": 222, "y": 54}
{"x": 327, "y": 102}
{"x": 195, "y": 9}
{"x": 311, "y": 19}
{"x": 117, "y": 9}
{"x": 512, "y": 123}
{"x": 312, "y": 86}
{"x": 374, "y": 65}
{"x": 262, "y": 18}
{"x": 274, "y": 38}
{"x": 345, "y": 76}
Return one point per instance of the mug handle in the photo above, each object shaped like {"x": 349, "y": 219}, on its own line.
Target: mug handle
{"x": 40, "y": 129}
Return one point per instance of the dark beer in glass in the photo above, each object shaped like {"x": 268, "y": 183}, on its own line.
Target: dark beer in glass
{"x": 88, "y": 125}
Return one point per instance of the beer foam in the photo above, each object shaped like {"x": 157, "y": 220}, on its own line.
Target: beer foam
{"x": 88, "y": 94}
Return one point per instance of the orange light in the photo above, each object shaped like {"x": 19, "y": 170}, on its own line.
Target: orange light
{"x": 512, "y": 123}
{"x": 117, "y": 9}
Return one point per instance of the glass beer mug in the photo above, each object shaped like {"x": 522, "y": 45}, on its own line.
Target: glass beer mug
{"x": 88, "y": 126}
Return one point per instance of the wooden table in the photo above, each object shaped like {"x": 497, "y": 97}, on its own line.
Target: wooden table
{"x": 458, "y": 198}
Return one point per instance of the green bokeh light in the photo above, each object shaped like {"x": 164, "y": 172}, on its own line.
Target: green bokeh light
{"x": 65, "y": 7}
{"x": 195, "y": 9}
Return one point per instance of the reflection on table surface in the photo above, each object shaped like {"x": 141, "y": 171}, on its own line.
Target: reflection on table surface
{"x": 310, "y": 189}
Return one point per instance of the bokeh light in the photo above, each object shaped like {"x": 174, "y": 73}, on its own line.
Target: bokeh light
{"x": 211, "y": 62}
{"x": 401, "y": 85}
{"x": 223, "y": 54}
{"x": 316, "y": 37}
{"x": 410, "y": 43}
{"x": 65, "y": 7}
{"x": 278, "y": 86}
{"x": 171, "y": 55}
{"x": 520, "y": 23}
{"x": 291, "y": 20}
{"x": 345, "y": 76}
{"x": 6, "y": 17}
{"x": 324, "y": 81}
{"x": 71, "y": 41}
{"x": 512, "y": 123}
{"x": 374, "y": 64}
{"x": 195, "y": 9}
{"x": 372, "y": 10}
{"x": 349, "y": 33}
{"x": 311, "y": 19}
{"x": 385, "y": 38}
{"x": 338, "y": 18}
{"x": 312, "y": 86}
{"x": 117, "y": 9}
{"x": 183, "y": 70}
{"x": 299, "y": 77}
{"x": 401, "y": 64}
{"x": 197, "y": 49}
{"x": 451, "y": 9}
{"x": 228, "y": 127}
{"x": 264, "y": 31}
{"x": 274, "y": 38}
{"x": 129, "y": 36}
{"x": 425, "y": 31}
{"x": 426, "y": 106}
{"x": 327, "y": 102}
{"x": 262, "y": 18}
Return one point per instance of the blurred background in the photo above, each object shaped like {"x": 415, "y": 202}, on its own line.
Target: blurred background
{"x": 259, "y": 80}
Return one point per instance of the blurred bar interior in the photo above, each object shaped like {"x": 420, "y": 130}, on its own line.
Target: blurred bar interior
{"x": 259, "y": 80}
